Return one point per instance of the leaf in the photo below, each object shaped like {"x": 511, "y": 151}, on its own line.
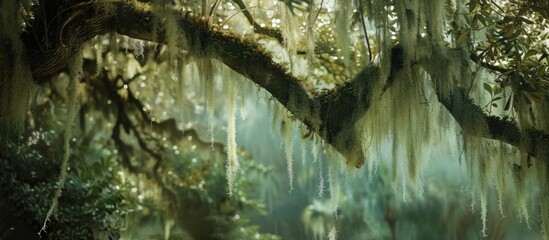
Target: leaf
{"x": 473, "y": 6}
{"x": 462, "y": 37}
{"x": 544, "y": 55}
{"x": 508, "y": 47}
{"x": 509, "y": 30}
{"x": 494, "y": 105}
{"x": 482, "y": 19}
{"x": 530, "y": 53}
{"x": 474, "y": 23}
{"x": 487, "y": 87}
{"x": 522, "y": 11}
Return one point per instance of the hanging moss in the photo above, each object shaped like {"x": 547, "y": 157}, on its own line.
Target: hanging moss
{"x": 332, "y": 235}
{"x": 303, "y": 153}
{"x": 243, "y": 109}
{"x": 75, "y": 73}
{"x": 544, "y": 204}
{"x": 99, "y": 55}
{"x": 343, "y": 15}
{"x": 276, "y": 109}
{"x": 310, "y": 36}
{"x": 320, "y": 179}
{"x": 287, "y": 132}
{"x": 483, "y": 210}
{"x": 208, "y": 70}
{"x": 290, "y": 29}
{"x": 333, "y": 184}
{"x": 233, "y": 166}
{"x": 315, "y": 148}
{"x": 435, "y": 19}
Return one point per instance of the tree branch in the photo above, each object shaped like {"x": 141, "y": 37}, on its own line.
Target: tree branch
{"x": 476, "y": 122}
{"x": 331, "y": 114}
{"x": 258, "y": 28}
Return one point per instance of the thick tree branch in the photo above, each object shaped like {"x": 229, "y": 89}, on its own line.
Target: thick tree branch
{"x": 328, "y": 114}
{"x": 476, "y": 122}
{"x": 331, "y": 114}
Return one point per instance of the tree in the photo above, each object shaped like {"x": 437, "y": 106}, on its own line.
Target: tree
{"x": 425, "y": 70}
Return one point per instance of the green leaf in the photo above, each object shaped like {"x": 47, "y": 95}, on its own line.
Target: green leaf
{"x": 462, "y": 37}
{"x": 482, "y": 20}
{"x": 498, "y": 90}
{"x": 472, "y": 6}
{"x": 530, "y": 53}
{"x": 488, "y": 88}
{"x": 475, "y": 21}
{"x": 544, "y": 55}
{"x": 509, "y": 30}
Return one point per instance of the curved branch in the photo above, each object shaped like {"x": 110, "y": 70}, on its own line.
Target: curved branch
{"x": 331, "y": 114}
{"x": 476, "y": 122}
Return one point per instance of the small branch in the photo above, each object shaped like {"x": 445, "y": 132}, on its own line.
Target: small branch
{"x": 363, "y": 21}
{"x": 475, "y": 58}
{"x": 258, "y": 28}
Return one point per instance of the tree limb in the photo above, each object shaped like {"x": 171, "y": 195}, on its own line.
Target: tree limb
{"x": 331, "y": 114}
{"x": 476, "y": 122}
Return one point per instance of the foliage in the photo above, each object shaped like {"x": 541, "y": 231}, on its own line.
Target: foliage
{"x": 370, "y": 80}
{"x": 107, "y": 194}
{"x": 95, "y": 200}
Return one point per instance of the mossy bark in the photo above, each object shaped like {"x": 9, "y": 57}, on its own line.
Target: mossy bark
{"x": 332, "y": 114}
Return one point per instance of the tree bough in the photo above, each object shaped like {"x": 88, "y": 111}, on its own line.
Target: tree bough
{"x": 331, "y": 114}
